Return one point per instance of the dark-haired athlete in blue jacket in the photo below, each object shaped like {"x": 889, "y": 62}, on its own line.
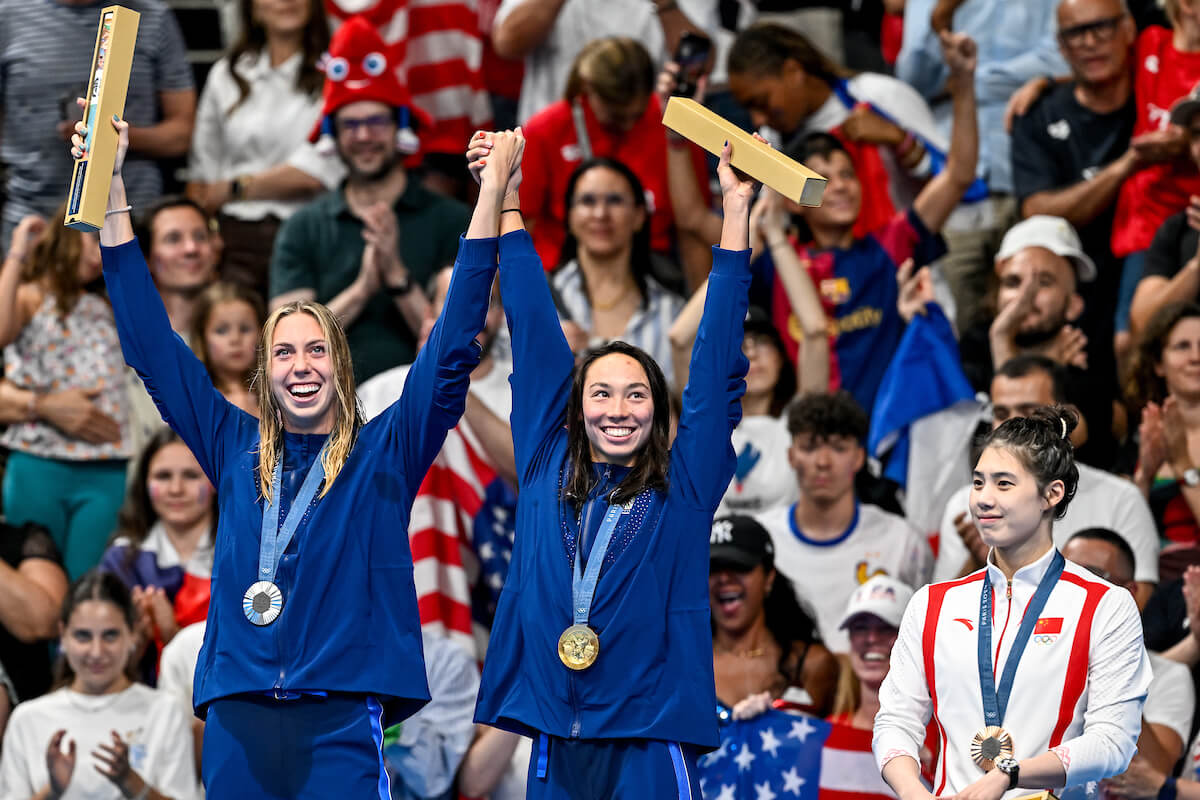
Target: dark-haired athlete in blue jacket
{"x": 601, "y": 649}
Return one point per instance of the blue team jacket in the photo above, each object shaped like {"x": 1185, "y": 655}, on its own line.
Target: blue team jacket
{"x": 654, "y": 675}
{"x": 349, "y": 620}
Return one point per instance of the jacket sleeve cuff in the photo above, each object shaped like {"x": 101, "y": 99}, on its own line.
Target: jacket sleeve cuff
{"x": 730, "y": 262}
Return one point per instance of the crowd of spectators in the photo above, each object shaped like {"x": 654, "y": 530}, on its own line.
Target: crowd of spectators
{"x": 1011, "y": 220}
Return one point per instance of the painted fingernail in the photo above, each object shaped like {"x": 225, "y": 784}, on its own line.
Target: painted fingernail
{"x": 116, "y": 118}
{"x": 726, "y": 143}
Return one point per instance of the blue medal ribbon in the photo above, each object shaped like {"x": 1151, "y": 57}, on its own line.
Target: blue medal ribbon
{"x": 276, "y": 538}
{"x": 995, "y": 700}
{"x": 583, "y": 585}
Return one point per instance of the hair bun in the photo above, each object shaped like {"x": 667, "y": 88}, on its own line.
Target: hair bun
{"x": 1061, "y": 419}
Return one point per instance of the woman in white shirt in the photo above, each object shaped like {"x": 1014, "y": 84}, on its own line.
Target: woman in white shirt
{"x": 101, "y": 736}
{"x": 251, "y": 161}
{"x": 1070, "y": 714}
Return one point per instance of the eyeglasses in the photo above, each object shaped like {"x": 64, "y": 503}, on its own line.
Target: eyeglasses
{"x": 1102, "y": 29}
{"x": 375, "y": 124}
{"x": 591, "y": 201}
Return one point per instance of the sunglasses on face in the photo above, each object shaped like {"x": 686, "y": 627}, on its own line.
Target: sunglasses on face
{"x": 1102, "y": 30}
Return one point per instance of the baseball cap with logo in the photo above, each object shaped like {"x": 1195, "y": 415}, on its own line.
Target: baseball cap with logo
{"x": 1053, "y": 233}
{"x": 882, "y": 596}
{"x": 740, "y": 542}
{"x": 1186, "y": 107}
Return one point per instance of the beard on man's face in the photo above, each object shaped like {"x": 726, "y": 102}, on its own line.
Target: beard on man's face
{"x": 1040, "y": 334}
{"x": 368, "y": 176}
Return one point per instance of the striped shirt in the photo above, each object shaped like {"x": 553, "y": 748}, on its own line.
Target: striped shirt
{"x": 647, "y": 328}
{"x": 46, "y": 51}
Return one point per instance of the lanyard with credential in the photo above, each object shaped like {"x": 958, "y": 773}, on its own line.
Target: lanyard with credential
{"x": 579, "y": 646}
{"x": 995, "y": 699}
{"x": 263, "y": 601}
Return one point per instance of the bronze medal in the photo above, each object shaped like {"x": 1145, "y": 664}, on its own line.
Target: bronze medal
{"x": 578, "y": 647}
{"x": 989, "y": 744}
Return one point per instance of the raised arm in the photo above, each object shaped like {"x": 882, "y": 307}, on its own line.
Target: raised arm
{"x": 711, "y": 401}
{"x": 944, "y": 191}
{"x": 542, "y": 360}
{"x": 435, "y": 392}
{"x": 175, "y": 378}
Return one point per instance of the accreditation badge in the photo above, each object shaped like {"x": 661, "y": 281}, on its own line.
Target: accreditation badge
{"x": 578, "y": 647}
{"x": 262, "y": 603}
{"x": 990, "y": 744}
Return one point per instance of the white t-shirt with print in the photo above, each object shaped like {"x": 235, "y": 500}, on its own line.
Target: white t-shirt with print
{"x": 153, "y": 724}
{"x": 763, "y": 477}
{"x": 825, "y": 574}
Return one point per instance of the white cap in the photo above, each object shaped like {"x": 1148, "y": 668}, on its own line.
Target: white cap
{"x": 882, "y": 596}
{"x": 1053, "y": 233}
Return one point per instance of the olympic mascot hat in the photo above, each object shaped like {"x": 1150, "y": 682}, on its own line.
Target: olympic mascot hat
{"x": 357, "y": 68}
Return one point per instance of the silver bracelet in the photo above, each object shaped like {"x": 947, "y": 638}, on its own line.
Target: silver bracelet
{"x": 112, "y": 211}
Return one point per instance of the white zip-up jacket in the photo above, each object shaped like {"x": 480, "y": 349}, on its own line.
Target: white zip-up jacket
{"x": 1078, "y": 691}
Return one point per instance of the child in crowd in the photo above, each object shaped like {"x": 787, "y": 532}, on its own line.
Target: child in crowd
{"x": 225, "y": 334}
{"x": 59, "y": 334}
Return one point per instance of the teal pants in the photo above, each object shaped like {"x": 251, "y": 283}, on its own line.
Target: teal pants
{"x": 77, "y": 501}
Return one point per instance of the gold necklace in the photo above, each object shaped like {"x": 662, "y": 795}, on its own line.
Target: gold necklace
{"x": 609, "y": 306}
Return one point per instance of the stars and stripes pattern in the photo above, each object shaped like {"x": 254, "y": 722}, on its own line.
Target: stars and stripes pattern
{"x": 782, "y": 756}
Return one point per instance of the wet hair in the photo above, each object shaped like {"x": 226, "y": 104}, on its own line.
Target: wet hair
{"x": 823, "y": 415}
{"x": 253, "y": 40}
{"x": 55, "y": 257}
{"x": 639, "y": 253}
{"x": 145, "y": 223}
{"x": 1110, "y": 537}
{"x": 616, "y": 69}
{"x": 95, "y": 585}
{"x": 348, "y": 417}
{"x": 650, "y": 469}
{"x": 1042, "y": 443}
{"x": 1143, "y": 384}
{"x": 763, "y": 48}
{"x": 137, "y": 515}
{"x": 213, "y": 296}
{"x": 1026, "y": 364}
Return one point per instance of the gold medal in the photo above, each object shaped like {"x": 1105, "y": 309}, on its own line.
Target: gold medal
{"x": 578, "y": 647}
{"x": 989, "y": 744}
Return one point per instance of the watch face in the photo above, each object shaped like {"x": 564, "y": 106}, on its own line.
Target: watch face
{"x": 1191, "y": 477}
{"x": 1006, "y": 764}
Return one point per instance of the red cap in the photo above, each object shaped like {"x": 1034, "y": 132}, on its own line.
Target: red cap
{"x": 359, "y": 66}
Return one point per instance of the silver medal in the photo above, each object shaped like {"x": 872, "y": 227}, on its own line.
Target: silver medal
{"x": 262, "y": 603}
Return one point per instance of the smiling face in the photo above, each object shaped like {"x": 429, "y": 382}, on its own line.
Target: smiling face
{"x": 604, "y": 214}
{"x": 1180, "y": 363}
{"x": 871, "y": 641}
{"x": 181, "y": 251}
{"x": 1006, "y": 503}
{"x": 302, "y": 375}
{"x": 842, "y": 201}
{"x": 230, "y": 336}
{"x": 282, "y": 17}
{"x": 618, "y": 409}
{"x": 179, "y": 491}
{"x": 366, "y": 138}
{"x": 736, "y": 596}
{"x": 97, "y": 644}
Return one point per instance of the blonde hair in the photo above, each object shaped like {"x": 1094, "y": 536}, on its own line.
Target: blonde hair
{"x": 206, "y": 304}
{"x": 55, "y": 258}
{"x": 617, "y": 69}
{"x": 848, "y": 695}
{"x": 346, "y": 421}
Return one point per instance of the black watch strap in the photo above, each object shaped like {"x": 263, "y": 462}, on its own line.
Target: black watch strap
{"x": 402, "y": 288}
{"x": 1010, "y": 767}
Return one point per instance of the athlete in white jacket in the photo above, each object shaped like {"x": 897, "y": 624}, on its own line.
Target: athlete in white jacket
{"x": 1071, "y": 713}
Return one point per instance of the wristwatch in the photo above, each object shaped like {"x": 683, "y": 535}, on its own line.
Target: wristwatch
{"x": 1010, "y": 767}
{"x": 1191, "y": 477}
{"x": 402, "y": 288}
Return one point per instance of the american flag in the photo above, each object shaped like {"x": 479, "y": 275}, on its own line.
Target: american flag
{"x": 778, "y": 755}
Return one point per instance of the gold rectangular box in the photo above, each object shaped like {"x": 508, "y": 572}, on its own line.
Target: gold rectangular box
{"x": 108, "y": 83}
{"x": 790, "y": 178}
